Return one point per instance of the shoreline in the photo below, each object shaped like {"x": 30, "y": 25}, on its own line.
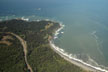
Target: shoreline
{"x": 69, "y": 57}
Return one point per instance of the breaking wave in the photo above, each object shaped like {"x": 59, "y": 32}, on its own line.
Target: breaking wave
{"x": 25, "y": 19}
{"x": 60, "y": 50}
{"x": 71, "y": 56}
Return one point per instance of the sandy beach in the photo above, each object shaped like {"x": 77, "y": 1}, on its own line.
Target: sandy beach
{"x": 77, "y": 62}
{"x": 71, "y": 59}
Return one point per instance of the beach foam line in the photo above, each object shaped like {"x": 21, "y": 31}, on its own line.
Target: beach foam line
{"x": 61, "y": 51}
{"x": 69, "y": 56}
{"x": 58, "y": 31}
{"x": 25, "y": 19}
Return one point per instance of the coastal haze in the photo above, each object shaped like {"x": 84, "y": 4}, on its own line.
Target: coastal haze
{"x": 86, "y": 24}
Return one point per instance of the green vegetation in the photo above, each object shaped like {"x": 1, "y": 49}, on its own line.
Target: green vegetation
{"x": 40, "y": 56}
{"x": 11, "y": 57}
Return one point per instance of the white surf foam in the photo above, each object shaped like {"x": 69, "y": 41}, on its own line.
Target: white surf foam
{"x": 25, "y": 19}
{"x": 57, "y": 32}
{"x": 62, "y": 32}
{"x": 61, "y": 51}
{"x": 47, "y": 19}
{"x": 38, "y": 20}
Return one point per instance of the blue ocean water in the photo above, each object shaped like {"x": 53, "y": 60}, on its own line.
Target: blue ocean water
{"x": 86, "y": 24}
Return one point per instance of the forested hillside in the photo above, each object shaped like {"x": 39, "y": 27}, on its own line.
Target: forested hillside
{"x": 40, "y": 56}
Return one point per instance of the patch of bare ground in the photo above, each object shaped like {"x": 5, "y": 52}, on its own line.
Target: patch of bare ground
{"x": 5, "y": 39}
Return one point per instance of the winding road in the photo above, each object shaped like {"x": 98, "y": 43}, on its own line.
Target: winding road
{"x": 24, "y": 44}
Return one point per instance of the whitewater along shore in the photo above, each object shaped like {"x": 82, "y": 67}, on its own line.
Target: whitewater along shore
{"x": 69, "y": 57}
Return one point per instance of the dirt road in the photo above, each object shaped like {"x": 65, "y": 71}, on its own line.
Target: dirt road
{"x": 24, "y": 44}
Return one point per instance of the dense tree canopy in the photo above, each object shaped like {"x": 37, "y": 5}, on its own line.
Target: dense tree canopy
{"x": 40, "y": 56}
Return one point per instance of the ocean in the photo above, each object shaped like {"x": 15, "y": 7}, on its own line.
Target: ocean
{"x": 86, "y": 24}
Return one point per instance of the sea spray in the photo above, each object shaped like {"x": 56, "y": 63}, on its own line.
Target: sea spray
{"x": 57, "y": 32}
{"x": 69, "y": 56}
{"x": 25, "y": 19}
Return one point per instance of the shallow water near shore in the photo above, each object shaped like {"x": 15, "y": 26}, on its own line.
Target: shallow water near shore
{"x": 86, "y": 25}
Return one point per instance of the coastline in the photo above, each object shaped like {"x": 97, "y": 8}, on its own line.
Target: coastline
{"x": 69, "y": 58}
